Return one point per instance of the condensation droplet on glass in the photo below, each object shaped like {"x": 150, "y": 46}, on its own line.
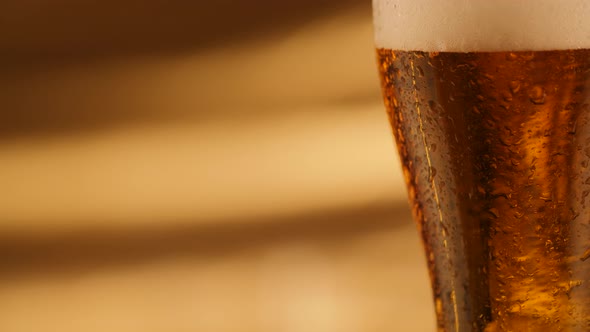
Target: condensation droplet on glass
{"x": 432, "y": 172}
{"x": 546, "y": 197}
{"x": 420, "y": 71}
{"x": 515, "y": 86}
{"x": 494, "y": 212}
{"x": 481, "y": 190}
{"x": 511, "y": 56}
{"x": 435, "y": 107}
{"x": 537, "y": 95}
{"x": 438, "y": 305}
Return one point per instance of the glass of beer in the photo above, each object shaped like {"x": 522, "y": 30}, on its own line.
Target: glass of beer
{"x": 489, "y": 101}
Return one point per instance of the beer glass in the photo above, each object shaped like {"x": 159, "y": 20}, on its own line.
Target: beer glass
{"x": 489, "y": 102}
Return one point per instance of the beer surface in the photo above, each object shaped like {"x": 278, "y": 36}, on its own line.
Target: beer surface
{"x": 496, "y": 155}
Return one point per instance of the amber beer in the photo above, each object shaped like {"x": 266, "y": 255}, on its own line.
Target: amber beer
{"x": 495, "y": 149}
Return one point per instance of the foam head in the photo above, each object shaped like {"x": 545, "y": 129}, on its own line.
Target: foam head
{"x": 482, "y": 25}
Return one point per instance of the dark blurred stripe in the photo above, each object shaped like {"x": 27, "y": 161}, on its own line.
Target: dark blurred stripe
{"x": 68, "y": 254}
{"x": 44, "y": 43}
{"x": 36, "y": 31}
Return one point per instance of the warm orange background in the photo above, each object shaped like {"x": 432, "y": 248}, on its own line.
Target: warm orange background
{"x": 200, "y": 166}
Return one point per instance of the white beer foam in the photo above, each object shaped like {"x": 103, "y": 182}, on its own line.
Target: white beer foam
{"x": 481, "y": 25}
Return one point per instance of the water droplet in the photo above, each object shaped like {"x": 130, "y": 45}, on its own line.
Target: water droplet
{"x": 537, "y": 95}
{"x": 420, "y": 71}
{"x": 572, "y": 127}
{"x": 432, "y": 172}
{"x": 433, "y": 147}
{"x": 511, "y": 56}
{"x": 515, "y": 308}
{"x": 438, "y": 305}
{"x": 435, "y": 107}
{"x": 514, "y": 86}
{"x": 546, "y": 197}
{"x": 527, "y": 56}
{"x": 481, "y": 189}
{"x": 494, "y": 212}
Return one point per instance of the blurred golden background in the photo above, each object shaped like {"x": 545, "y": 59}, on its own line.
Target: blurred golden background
{"x": 200, "y": 166}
